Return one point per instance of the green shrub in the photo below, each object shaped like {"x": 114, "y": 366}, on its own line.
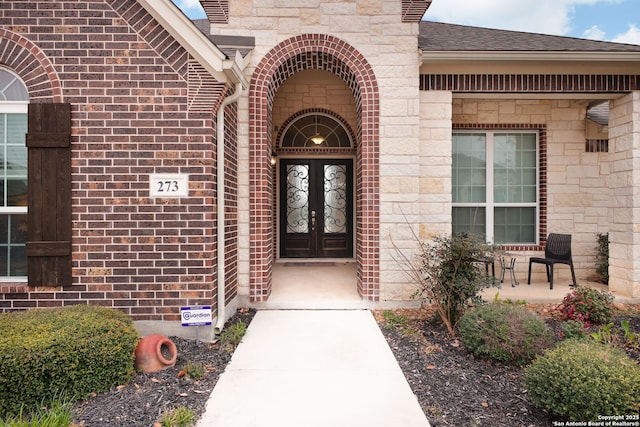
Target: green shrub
{"x": 586, "y": 305}
{"x": 449, "y": 275}
{"x": 70, "y": 351}
{"x": 602, "y": 256}
{"x": 581, "y": 379}
{"x": 573, "y": 329}
{"x": 507, "y": 333}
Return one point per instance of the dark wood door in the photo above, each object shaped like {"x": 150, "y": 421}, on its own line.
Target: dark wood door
{"x": 316, "y": 208}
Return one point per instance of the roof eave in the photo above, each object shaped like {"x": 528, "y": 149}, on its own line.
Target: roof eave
{"x": 564, "y": 56}
{"x": 194, "y": 41}
{"x": 233, "y": 70}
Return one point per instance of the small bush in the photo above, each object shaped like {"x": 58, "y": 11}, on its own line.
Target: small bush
{"x": 573, "y": 329}
{"x": 70, "y": 351}
{"x": 506, "y": 333}
{"x": 586, "y": 305}
{"x": 581, "y": 379}
{"x": 449, "y": 276}
{"x": 602, "y": 256}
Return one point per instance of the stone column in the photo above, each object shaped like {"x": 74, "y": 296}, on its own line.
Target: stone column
{"x": 436, "y": 112}
{"x": 415, "y": 193}
{"x": 624, "y": 214}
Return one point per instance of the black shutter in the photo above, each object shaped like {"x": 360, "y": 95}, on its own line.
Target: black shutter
{"x": 49, "y": 218}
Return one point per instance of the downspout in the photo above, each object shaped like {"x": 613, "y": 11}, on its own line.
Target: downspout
{"x": 221, "y": 204}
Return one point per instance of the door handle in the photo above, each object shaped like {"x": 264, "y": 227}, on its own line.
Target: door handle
{"x": 313, "y": 220}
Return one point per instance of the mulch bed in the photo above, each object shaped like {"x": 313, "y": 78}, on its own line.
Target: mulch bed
{"x": 144, "y": 400}
{"x": 453, "y": 387}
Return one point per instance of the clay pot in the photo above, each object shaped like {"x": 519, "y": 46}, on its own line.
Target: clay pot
{"x": 154, "y": 353}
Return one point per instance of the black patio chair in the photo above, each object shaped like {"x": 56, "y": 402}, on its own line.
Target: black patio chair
{"x": 557, "y": 251}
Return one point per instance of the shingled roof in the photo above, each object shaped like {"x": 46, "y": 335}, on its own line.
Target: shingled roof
{"x": 438, "y": 37}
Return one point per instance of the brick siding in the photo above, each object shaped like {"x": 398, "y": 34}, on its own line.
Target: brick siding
{"x": 137, "y": 108}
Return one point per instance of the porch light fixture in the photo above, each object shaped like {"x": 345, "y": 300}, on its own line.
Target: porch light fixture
{"x": 317, "y": 139}
{"x": 273, "y": 158}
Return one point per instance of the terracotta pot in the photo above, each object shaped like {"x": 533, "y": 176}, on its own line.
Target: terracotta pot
{"x": 154, "y": 353}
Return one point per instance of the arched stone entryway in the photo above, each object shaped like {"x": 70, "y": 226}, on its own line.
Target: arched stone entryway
{"x": 323, "y": 52}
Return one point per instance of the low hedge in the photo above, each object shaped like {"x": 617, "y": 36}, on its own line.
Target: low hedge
{"x": 581, "y": 379}
{"x": 70, "y": 352}
{"x": 506, "y": 333}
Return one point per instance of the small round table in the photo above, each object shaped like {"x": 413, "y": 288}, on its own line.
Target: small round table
{"x": 508, "y": 265}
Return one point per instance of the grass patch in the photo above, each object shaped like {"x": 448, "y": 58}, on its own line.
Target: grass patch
{"x": 178, "y": 417}
{"x": 57, "y": 415}
{"x": 231, "y": 336}
{"x": 195, "y": 370}
{"x": 400, "y": 322}
{"x": 394, "y": 320}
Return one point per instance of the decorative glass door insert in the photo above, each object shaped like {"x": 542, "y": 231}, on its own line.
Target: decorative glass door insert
{"x": 316, "y": 208}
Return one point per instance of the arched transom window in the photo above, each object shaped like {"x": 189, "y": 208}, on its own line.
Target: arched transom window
{"x": 316, "y": 130}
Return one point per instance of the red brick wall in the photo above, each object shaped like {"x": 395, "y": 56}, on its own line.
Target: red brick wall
{"x": 231, "y": 202}
{"x": 133, "y": 113}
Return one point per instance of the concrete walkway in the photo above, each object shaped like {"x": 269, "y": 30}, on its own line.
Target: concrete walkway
{"x": 313, "y": 368}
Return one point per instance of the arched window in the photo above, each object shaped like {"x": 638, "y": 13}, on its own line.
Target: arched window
{"x": 316, "y": 130}
{"x": 13, "y": 175}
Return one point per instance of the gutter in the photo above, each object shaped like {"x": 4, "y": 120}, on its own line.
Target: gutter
{"x": 221, "y": 204}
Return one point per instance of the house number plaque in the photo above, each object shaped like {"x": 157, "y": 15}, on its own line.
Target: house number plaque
{"x": 169, "y": 185}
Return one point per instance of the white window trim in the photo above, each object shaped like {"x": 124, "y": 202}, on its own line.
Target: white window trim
{"x": 489, "y": 193}
{"x": 14, "y": 107}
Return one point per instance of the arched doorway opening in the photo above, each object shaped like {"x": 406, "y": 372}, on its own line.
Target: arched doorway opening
{"x": 320, "y": 52}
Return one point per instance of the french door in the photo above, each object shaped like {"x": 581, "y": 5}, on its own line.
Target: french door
{"x": 316, "y": 208}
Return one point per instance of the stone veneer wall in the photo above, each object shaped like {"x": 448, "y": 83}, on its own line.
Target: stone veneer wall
{"x": 577, "y": 190}
{"x": 375, "y": 30}
{"x": 624, "y": 215}
{"x": 416, "y": 194}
